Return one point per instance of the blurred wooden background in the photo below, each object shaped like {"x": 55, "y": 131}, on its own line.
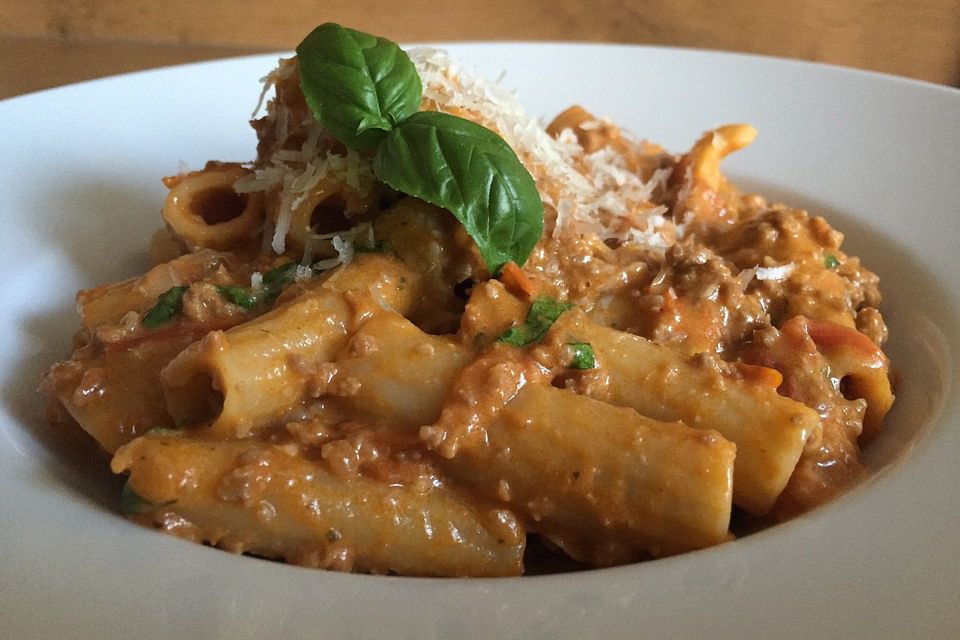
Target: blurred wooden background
{"x": 46, "y": 43}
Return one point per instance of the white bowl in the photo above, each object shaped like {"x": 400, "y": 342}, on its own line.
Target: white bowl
{"x": 878, "y": 156}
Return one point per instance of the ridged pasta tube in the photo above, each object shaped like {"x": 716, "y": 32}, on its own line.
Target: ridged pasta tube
{"x": 203, "y": 210}
{"x": 605, "y": 483}
{"x": 238, "y": 381}
{"x": 249, "y": 496}
{"x": 770, "y": 431}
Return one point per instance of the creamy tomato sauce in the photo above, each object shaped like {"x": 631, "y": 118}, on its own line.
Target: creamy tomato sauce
{"x": 336, "y": 388}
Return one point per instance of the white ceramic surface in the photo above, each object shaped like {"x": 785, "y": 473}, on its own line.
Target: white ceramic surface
{"x": 879, "y": 156}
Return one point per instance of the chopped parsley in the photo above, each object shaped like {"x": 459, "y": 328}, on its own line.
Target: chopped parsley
{"x": 241, "y": 296}
{"x": 280, "y": 276}
{"x": 169, "y": 302}
{"x": 273, "y": 283}
{"x": 543, "y": 313}
{"x": 583, "y": 357}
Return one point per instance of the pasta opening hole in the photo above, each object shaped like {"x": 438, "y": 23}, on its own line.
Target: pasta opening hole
{"x": 562, "y": 381}
{"x": 329, "y": 216}
{"x": 220, "y": 205}
{"x": 201, "y": 401}
{"x": 214, "y": 404}
{"x": 845, "y": 387}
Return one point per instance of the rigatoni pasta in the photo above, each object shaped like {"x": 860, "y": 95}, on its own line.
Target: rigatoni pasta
{"x": 314, "y": 516}
{"x": 203, "y": 210}
{"x": 421, "y": 329}
{"x": 236, "y": 382}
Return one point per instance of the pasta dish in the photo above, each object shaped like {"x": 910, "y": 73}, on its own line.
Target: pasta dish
{"x": 423, "y": 334}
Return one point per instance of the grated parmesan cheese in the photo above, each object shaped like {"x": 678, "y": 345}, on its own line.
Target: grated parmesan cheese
{"x": 596, "y": 191}
{"x": 302, "y": 273}
{"x": 606, "y": 198}
{"x": 780, "y": 272}
{"x": 344, "y": 243}
{"x": 281, "y": 73}
{"x": 745, "y": 277}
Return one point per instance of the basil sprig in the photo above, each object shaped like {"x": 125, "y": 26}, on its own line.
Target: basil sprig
{"x": 366, "y": 91}
{"x": 358, "y": 86}
{"x": 542, "y": 314}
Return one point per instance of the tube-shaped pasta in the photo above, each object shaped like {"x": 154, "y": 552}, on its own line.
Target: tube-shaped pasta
{"x": 770, "y": 431}
{"x": 855, "y": 359}
{"x": 327, "y": 207}
{"x": 701, "y": 191}
{"x": 108, "y": 304}
{"x": 403, "y": 373}
{"x": 604, "y": 483}
{"x": 203, "y": 210}
{"x": 578, "y": 120}
{"x": 425, "y": 238}
{"x": 703, "y": 159}
{"x": 249, "y": 496}
{"x": 251, "y": 375}
{"x": 114, "y": 395}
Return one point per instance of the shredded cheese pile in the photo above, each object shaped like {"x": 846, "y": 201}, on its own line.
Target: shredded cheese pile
{"x": 605, "y": 198}
{"x": 593, "y": 191}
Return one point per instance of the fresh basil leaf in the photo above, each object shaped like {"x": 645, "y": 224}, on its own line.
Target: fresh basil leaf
{"x": 280, "y": 275}
{"x": 168, "y": 303}
{"x": 357, "y": 85}
{"x": 583, "y": 357}
{"x": 830, "y": 261}
{"x": 543, "y": 313}
{"x": 132, "y": 502}
{"x": 241, "y": 296}
{"x": 469, "y": 170}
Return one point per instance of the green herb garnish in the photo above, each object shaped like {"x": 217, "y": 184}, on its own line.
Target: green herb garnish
{"x": 274, "y": 281}
{"x": 543, "y": 313}
{"x": 366, "y": 91}
{"x": 358, "y": 86}
{"x": 242, "y": 296}
{"x": 280, "y": 276}
{"x": 469, "y": 170}
{"x": 168, "y": 303}
{"x": 583, "y": 357}
{"x": 830, "y": 261}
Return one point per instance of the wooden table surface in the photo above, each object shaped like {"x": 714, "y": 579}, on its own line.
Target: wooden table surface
{"x": 46, "y": 43}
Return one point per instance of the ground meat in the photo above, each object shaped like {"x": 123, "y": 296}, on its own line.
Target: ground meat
{"x": 203, "y": 304}
{"x": 870, "y": 323}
